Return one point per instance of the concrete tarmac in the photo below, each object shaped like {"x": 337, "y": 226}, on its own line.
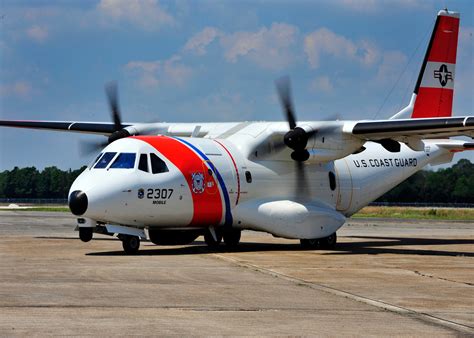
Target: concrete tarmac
{"x": 404, "y": 278}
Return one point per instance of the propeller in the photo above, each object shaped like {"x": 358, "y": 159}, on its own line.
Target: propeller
{"x": 297, "y": 138}
{"x": 88, "y": 147}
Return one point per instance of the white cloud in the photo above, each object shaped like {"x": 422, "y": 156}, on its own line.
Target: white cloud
{"x": 147, "y": 14}
{"x": 268, "y": 47}
{"x": 18, "y": 88}
{"x": 37, "y": 33}
{"x": 322, "y": 84}
{"x": 324, "y": 41}
{"x": 199, "y": 41}
{"x": 271, "y": 48}
{"x": 151, "y": 74}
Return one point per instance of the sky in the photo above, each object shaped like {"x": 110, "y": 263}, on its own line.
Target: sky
{"x": 188, "y": 61}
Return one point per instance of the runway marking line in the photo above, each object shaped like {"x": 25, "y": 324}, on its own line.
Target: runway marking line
{"x": 422, "y": 316}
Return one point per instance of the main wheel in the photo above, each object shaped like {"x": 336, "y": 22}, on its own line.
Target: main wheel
{"x": 329, "y": 242}
{"x": 130, "y": 244}
{"x": 85, "y": 234}
{"x": 232, "y": 237}
{"x": 313, "y": 243}
{"x": 210, "y": 240}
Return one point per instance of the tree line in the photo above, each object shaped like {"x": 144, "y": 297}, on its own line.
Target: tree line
{"x": 29, "y": 182}
{"x": 451, "y": 185}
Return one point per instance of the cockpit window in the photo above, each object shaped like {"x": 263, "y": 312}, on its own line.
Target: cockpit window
{"x": 143, "y": 163}
{"x": 157, "y": 165}
{"x": 124, "y": 161}
{"x": 95, "y": 160}
{"x": 104, "y": 160}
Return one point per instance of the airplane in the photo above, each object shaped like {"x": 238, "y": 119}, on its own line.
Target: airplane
{"x": 172, "y": 182}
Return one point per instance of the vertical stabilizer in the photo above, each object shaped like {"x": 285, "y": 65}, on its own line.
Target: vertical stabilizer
{"x": 434, "y": 90}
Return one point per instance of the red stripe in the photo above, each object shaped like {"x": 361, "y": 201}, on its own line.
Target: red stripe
{"x": 445, "y": 41}
{"x": 433, "y": 102}
{"x": 207, "y": 206}
{"x": 236, "y": 171}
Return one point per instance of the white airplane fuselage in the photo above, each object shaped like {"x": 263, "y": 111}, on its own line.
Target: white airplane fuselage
{"x": 210, "y": 183}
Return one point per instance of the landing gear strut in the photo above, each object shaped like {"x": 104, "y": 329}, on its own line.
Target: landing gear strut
{"x": 213, "y": 238}
{"x": 130, "y": 244}
{"x": 326, "y": 243}
{"x": 85, "y": 234}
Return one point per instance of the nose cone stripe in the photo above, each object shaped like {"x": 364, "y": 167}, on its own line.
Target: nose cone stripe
{"x": 78, "y": 202}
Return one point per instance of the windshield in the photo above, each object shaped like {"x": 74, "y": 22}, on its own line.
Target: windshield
{"x": 124, "y": 161}
{"x": 104, "y": 160}
{"x": 95, "y": 160}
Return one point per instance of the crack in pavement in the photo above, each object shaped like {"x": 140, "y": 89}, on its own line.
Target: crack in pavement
{"x": 422, "y": 316}
{"x": 441, "y": 278}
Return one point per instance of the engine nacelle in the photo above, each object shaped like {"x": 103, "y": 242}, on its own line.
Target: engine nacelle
{"x": 289, "y": 219}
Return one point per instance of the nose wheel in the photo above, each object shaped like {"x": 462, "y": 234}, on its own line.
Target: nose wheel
{"x": 85, "y": 234}
{"x": 130, "y": 244}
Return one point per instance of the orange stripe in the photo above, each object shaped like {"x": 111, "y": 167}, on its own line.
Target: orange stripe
{"x": 207, "y": 207}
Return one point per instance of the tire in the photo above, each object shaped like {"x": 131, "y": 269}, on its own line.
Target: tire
{"x": 85, "y": 234}
{"x": 130, "y": 244}
{"x": 310, "y": 244}
{"x": 232, "y": 237}
{"x": 329, "y": 243}
{"x": 210, "y": 241}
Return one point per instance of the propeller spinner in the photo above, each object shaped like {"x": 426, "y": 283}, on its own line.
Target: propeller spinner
{"x": 297, "y": 138}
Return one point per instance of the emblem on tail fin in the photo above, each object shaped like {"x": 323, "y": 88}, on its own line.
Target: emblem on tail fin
{"x": 443, "y": 75}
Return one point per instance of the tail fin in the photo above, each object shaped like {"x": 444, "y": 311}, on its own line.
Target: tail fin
{"x": 434, "y": 90}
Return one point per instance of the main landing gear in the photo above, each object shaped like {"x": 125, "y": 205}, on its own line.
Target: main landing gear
{"x": 213, "y": 237}
{"x": 130, "y": 244}
{"x": 326, "y": 243}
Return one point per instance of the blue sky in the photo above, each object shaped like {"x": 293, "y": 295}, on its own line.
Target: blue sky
{"x": 188, "y": 61}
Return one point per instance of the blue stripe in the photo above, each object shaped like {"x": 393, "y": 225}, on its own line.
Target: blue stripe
{"x": 228, "y": 215}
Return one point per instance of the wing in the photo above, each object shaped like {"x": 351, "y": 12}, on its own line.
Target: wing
{"x": 102, "y": 128}
{"x": 418, "y": 128}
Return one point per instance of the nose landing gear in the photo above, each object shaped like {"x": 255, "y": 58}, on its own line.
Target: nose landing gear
{"x": 85, "y": 234}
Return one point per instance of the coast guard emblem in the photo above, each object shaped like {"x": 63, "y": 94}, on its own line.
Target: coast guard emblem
{"x": 198, "y": 183}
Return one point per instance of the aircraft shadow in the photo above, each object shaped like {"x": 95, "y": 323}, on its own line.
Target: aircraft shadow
{"x": 369, "y": 246}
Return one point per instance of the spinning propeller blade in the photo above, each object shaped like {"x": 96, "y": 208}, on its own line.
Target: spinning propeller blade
{"x": 89, "y": 147}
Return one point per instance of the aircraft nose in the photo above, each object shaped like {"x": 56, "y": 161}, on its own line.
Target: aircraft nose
{"x": 78, "y": 202}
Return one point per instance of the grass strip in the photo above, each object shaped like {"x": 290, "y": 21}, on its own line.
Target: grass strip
{"x": 367, "y": 212}
{"x": 416, "y": 213}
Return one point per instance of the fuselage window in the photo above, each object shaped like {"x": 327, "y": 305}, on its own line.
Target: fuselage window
{"x": 157, "y": 165}
{"x": 332, "y": 180}
{"x": 143, "y": 163}
{"x": 104, "y": 160}
{"x": 248, "y": 177}
{"x": 124, "y": 161}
